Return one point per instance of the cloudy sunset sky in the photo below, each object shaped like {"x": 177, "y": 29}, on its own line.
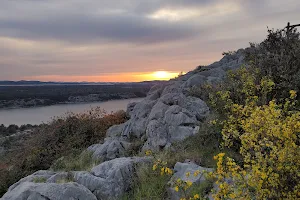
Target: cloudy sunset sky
{"x": 128, "y": 40}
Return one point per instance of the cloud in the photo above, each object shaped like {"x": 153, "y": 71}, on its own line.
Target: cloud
{"x": 55, "y": 38}
{"x": 81, "y": 28}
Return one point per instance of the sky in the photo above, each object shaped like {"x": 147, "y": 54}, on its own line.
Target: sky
{"x": 128, "y": 40}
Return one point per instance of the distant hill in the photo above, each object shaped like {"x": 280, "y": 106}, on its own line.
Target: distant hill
{"x": 24, "y": 82}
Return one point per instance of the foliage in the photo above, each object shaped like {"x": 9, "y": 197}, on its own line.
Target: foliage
{"x": 39, "y": 180}
{"x": 278, "y": 57}
{"x": 12, "y": 129}
{"x": 62, "y": 137}
{"x": 270, "y": 150}
{"x": 75, "y": 162}
{"x": 67, "y": 134}
{"x": 204, "y": 188}
{"x": 148, "y": 184}
{"x": 152, "y": 182}
{"x": 69, "y": 178}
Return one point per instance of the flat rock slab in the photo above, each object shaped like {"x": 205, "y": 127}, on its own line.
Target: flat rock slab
{"x": 49, "y": 191}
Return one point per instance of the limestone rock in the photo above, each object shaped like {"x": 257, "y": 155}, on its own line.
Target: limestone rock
{"x": 110, "y": 149}
{"x": 49, "y": 191}
{"x": 111, "y": 179}
{"x": 130, "y": 108}
{"x": 181, "y": 169}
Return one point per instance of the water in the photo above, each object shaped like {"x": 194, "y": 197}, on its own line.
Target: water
{"x": 39, "y": 115}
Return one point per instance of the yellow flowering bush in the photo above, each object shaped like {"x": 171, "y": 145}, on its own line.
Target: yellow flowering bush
{"x": 241, "y": 87}
{"x": 269, "y": 137}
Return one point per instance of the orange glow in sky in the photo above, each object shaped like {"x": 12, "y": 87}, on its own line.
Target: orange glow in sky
{"x": 112, "y": 77}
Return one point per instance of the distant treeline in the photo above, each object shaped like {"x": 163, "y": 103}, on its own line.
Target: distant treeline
{"x": 12, "y": 129}
{"x": 40, "y": 95}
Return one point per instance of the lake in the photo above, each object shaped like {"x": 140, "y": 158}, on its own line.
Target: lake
{"x": 38, "y": 115}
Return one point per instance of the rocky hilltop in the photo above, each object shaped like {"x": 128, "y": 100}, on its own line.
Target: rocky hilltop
{"x": 167, "y": 115}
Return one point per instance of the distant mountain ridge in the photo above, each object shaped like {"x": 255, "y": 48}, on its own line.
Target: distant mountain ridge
{"x": 25, "y": 82}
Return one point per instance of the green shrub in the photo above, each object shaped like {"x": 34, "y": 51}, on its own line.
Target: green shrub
{"x": 269, "y": 138}
{"x": 63, "y": 137}
{"x": 278, "y": 57}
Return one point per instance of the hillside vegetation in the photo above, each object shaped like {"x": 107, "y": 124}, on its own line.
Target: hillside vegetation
{"x": 247, "y": 145}
{"x": 252, "y": 136}
{"x": 64, "y": 137}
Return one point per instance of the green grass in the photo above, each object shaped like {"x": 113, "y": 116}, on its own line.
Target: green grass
{"x": 148, "y": 184}
{"x": 75, "y": 162}
{"x": 39, "y": 180}
{"x": 203, "y": 189}
{"x": 69, "y": 178}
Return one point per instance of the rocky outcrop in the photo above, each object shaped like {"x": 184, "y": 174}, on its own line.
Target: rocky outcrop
{"x": 109, "y": 180}
{"x": 49, "y": 191}
{"x": 168, "y": 114}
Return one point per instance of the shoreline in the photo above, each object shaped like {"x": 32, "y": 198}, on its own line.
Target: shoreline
{"x": 64, "y": 103}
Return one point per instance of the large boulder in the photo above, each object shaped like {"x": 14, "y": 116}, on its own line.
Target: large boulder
{"x": 168, "y": 114}
{"x": 108, "y": 180}
{"x": 49, "y": 191}
{"x": 110, "y": 149}
{"x": 181, "y": 170}
{"x": 111, "y": 179}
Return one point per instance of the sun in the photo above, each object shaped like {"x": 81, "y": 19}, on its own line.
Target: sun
{"x": 161, "y": 74}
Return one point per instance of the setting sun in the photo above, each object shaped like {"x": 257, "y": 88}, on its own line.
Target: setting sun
{"x": 163, "y": 75}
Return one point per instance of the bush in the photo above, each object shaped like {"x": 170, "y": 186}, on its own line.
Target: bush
{"x": 62, "y": 137}
{"x": 270, "y": 141}
{"x": 278, "y": 57}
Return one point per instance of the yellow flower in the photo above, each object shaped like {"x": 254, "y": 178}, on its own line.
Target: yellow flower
{"x": 176, "y": 188}
{"x": 189, "y": 183}
{"x": 187, "y": 174}
{"x": 196, "y": 196}
{"x": 154, "y": 167}
{"x": 162, "y": 170}
{"x": 148, "y": 153}
{"x": 168, "y": 171}
{"x": 196, "y": 173}
{"x": 293, "y": 94}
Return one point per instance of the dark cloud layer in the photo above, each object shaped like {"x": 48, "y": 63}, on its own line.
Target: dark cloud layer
{"x": 80, "y": 28}
{"x": 88, "y": 37}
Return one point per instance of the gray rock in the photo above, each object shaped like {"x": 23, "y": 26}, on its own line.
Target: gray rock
{"x": 173, "y": 87}
{"x": 178, "y": 116}
{"x": 195, "y": 80}
{"x": 49, "y": 191}
{"x": 41, "y": 175}
{"x": 130, "y": 108}
{"x": 157, "y": 135}
{"x": 115, "y": 130}
{"x": 167, "y": 114}
{"x": 111, "y": 179}
{"x": 158, "y": 111}
{"x": 110, "y": 149}
{"x": 216, "y": 72}
{"x": 181, "y": 169}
